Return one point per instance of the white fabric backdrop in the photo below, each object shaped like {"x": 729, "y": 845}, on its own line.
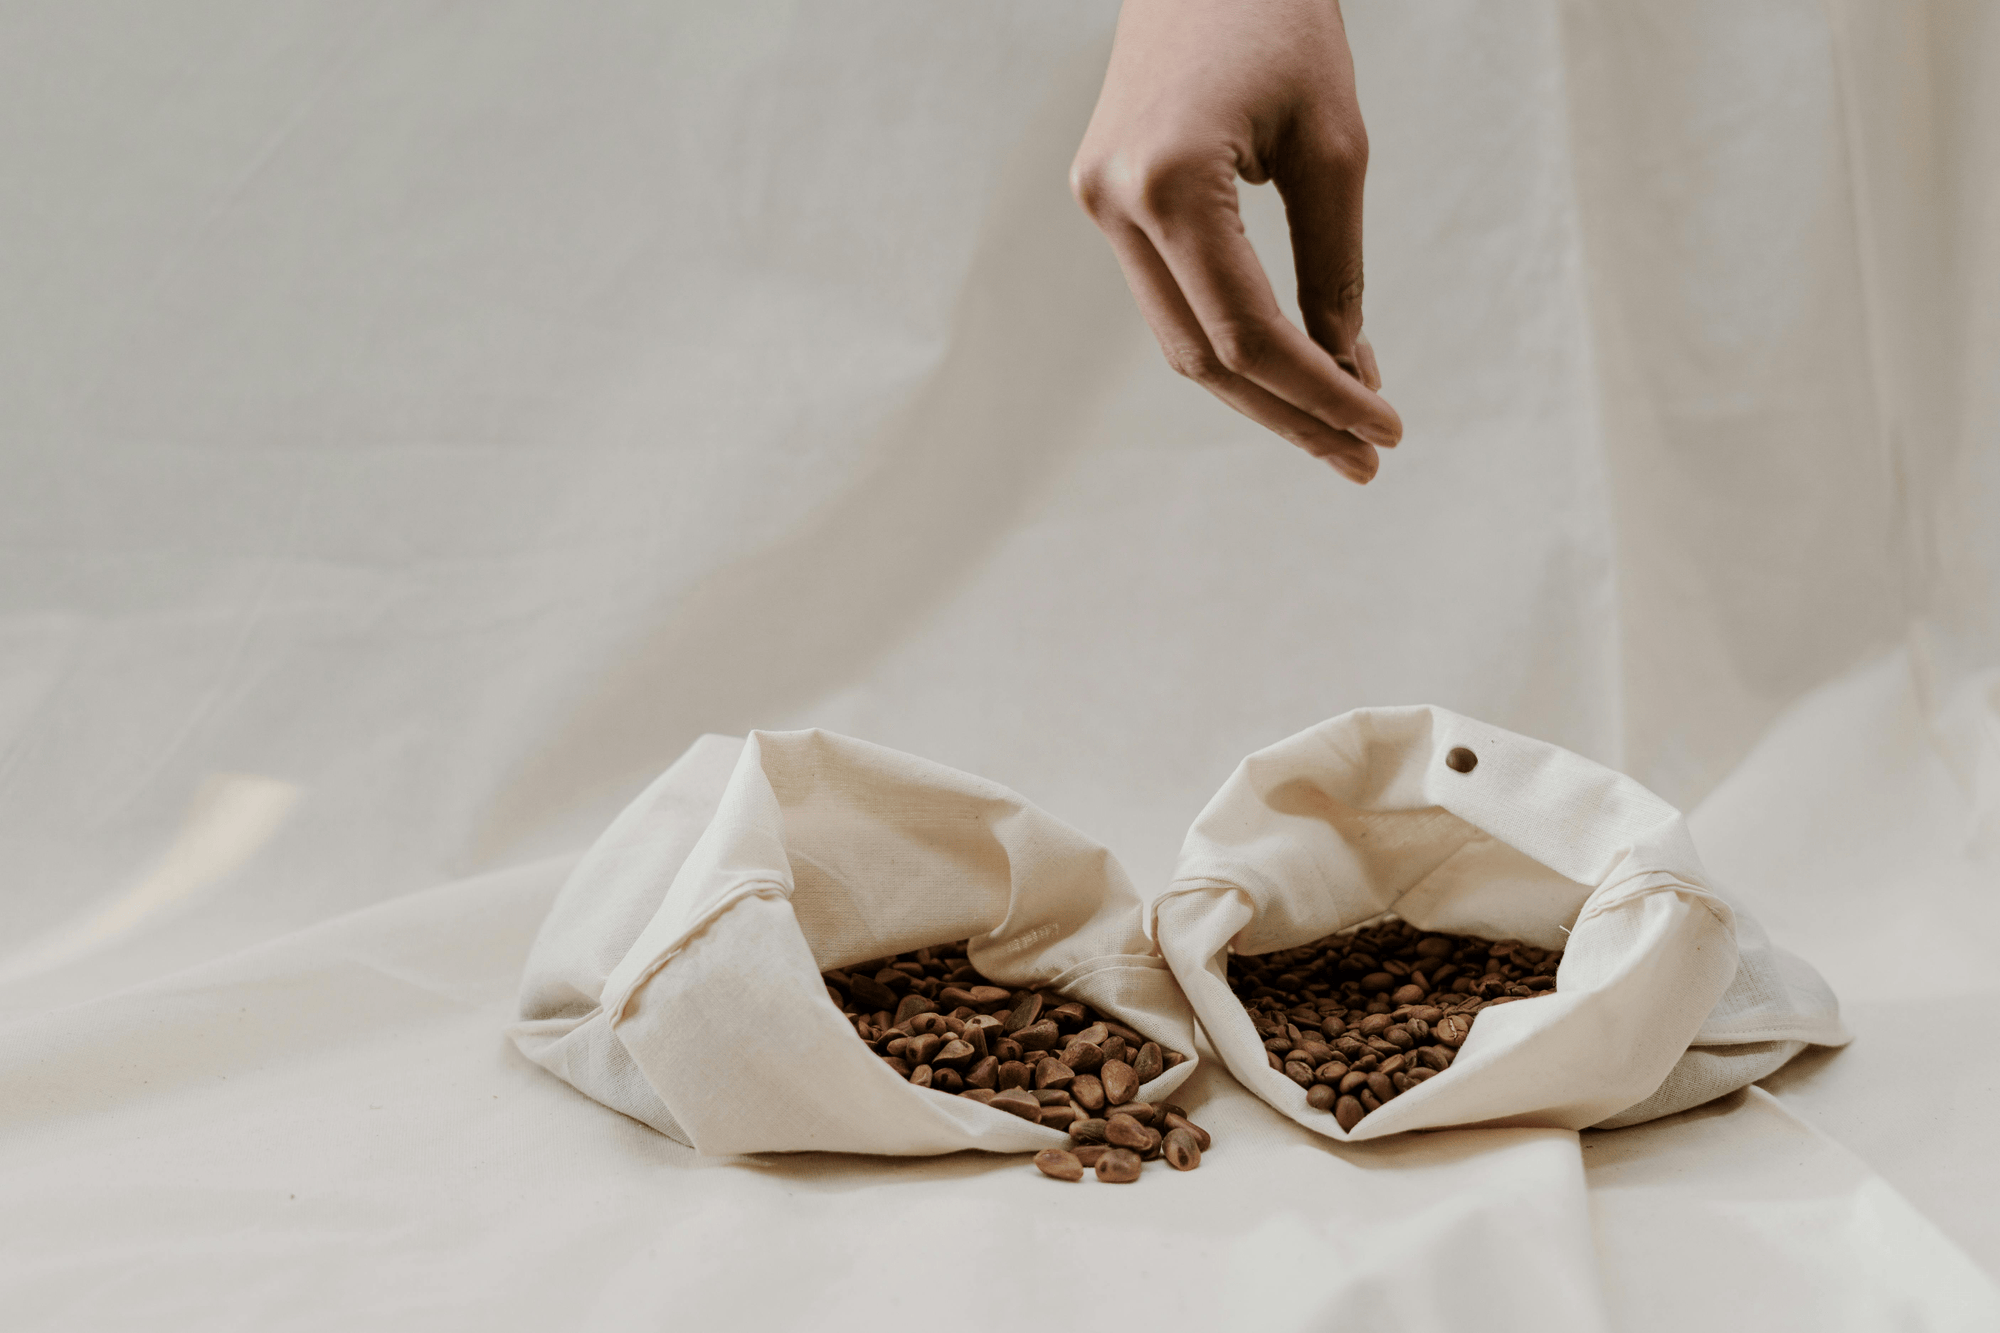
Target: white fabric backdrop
{"x": 420, "y": 421}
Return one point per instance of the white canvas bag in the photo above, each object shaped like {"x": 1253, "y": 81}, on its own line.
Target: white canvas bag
{"x": 677, "y": 977}
{"x": 1665, "y": 997}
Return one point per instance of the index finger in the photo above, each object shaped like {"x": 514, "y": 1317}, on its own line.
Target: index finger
{"x": 1189, "y": 213}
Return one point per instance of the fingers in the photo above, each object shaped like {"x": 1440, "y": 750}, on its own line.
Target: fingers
{"x": 1188, "y": 350}
{"x": 1364, "y": 354}
{"x": 1187, "y": 210}
{"x": 1319, "y": 173}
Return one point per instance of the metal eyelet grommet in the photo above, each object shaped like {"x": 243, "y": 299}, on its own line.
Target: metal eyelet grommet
{"x": 1461, "y": 760}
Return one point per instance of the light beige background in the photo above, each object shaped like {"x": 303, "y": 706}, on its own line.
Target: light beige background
{"x": 420, "y": 421}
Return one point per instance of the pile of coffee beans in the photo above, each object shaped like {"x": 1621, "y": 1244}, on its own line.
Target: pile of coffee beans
{"x": 1365, "y": 1015}
{"x": 937, "y": 1022}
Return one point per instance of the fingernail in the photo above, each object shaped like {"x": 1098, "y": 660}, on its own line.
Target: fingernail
{"x": 1374, "y": 434}
{"x": 1356, "y": 470}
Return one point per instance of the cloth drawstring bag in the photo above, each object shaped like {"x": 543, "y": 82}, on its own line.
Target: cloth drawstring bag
{"x": 1667, "y": 995}
{"x": 677, "y": 976}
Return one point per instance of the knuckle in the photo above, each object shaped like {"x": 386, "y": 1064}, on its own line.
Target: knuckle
{"x": 1242, "y": 348}
{"x": 1089, "y": 182}
{"x": 1197, "y": 362}
{"x": 1166, "y": 184}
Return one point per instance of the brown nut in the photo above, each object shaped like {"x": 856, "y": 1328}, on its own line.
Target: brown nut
{"x": 1089, "y": 1153}
{"x": 1181, "y": 1150}
{"x": 1121, "y": 1084}
{"x": 1094, "y": 1035}
{"x": 1175, "y": 1120}
{"x": 1060, "y": 1117}
{"x": 1015, "y": 1101}
{"x": 1053, "y": 1073}
{"x": 912, "y": 1005}
{"x": 1058, "y": 1164}
{"x": 1015, "y": 1074}
{"x": 1088, "y": 1131}
{"x": 1125, "y": 1132}
{"x": 1118, "y": 1166}
{"x": 985, "y": 997}
{"x": 1087, "y": 1092}
{"x": 1024, "y": 1012}
{"x": 1040, "y": 1036}
{"x": 1082, "y": 1056}
{"x": 984, "y": 1095}
{"x": 1148, "y": 1066}
{"x": 955, "y": 1054}
{"x": 985, "y": 1074}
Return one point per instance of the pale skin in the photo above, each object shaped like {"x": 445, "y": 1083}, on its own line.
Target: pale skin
{"x": 1199, "y": 93}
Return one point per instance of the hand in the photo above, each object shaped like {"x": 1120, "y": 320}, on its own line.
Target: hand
{"x": 1198, "y": 93}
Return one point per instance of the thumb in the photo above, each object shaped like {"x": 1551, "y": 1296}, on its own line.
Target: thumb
{"x": 1320, "y": 180}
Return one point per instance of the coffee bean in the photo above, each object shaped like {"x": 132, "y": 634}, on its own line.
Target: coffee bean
{"x": 1461, "y": 760}
{"x": 1347, "y": 1113}
{"x": 1412, "y": 994}
{"x": 1435, "y": 1058}
{"x": 1375, "y": 1024}
{"x": 1060, "y": 1117}
{"x": 1038, "y": 1036}
{"x": 871, "y": 993}
{"x": 1024, "y": 1013}
{"x": 1082, "y": 1056}
{"x": 1118, "y": 1166}
{"x": 1376, "y": 982}
{"x": 1178, "y": 1120}
{"x": 939, "y": 1024}
{"x": 1299, "y": 1072}
{"x": 1422, "y": 1072}
{"x": 1353, "y": 1080}
{"x": 1125, "y": 1132}
{"x": 1181, "y": 1151}
{"x": 1452, "y": 1029}
{"x": 1058, "y": 1164}
{"x": 1379, "y": 1084}
{"x": 1401, "y": 1082}
{"x": 1320, "y": 1097}
{"x": 1071, "y": 1015}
